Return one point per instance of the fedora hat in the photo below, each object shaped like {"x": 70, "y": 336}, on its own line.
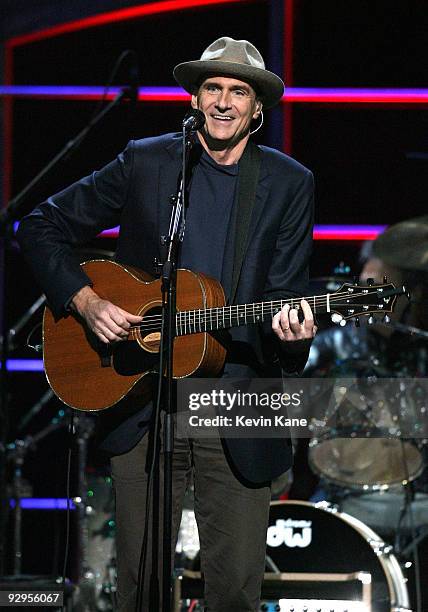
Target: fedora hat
{"x": 235, "y": 58}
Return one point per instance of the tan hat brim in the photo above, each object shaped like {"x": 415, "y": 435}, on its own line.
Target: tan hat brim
{"x": 268, "y": 85}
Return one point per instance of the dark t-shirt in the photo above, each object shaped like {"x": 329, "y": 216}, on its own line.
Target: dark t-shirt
{"x": 212, "y": 194}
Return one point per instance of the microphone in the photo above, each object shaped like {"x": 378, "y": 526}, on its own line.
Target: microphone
{"x": 193, "y": 121}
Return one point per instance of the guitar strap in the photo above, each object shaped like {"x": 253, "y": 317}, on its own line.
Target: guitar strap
{"x": 249, "y": 170}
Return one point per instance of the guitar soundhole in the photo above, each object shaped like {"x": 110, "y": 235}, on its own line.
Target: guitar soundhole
{"x": 149, "y": 332}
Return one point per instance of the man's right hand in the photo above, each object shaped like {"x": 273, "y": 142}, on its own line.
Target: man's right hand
{"x": 108, "y": 322}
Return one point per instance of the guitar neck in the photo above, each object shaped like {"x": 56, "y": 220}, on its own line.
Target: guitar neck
{"x": 213, "y": 319}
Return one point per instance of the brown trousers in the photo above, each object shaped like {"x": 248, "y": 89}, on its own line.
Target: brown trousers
{"x": 232, "y": 522}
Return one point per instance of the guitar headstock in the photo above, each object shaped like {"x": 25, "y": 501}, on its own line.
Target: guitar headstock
{"x": 352, "y": 301}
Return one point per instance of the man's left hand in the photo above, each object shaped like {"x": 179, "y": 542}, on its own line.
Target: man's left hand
{"x": 287, "y": 326}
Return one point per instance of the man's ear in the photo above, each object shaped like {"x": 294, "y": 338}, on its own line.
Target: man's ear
{"x": 259, "y": 107}
{"x": 194, "y": 101}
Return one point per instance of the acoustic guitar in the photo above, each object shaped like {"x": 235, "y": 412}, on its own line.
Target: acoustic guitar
{"x": 87, "y": 374}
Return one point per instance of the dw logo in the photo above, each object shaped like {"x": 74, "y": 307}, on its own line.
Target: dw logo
{"x": 283, "y": 533}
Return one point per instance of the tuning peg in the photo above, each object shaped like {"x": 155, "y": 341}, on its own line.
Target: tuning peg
{"x": 336, "y": 318}
{"x": 386, "y": 319}
{"x": 342, "y": 323}
{"x": 370, "y": 281}
{"x": 385, "y": 279}
{"x": 357, "y": 321}
{"x": 371, "y": 320}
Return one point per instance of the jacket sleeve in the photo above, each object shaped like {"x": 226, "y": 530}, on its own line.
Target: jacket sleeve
{"x": 289, "y": 271}
{"x": 49, "y": 235}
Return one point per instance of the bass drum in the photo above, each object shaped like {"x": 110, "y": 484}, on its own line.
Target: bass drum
{"x": 316, "y": 538}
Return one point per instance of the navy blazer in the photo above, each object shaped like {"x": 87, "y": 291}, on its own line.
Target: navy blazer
{"x": 134, "y": 191}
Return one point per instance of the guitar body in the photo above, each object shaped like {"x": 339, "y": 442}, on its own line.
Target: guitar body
{"x": 87, "y": 374}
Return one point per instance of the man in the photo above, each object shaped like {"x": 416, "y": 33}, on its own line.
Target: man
{"x": 248, "y": 224}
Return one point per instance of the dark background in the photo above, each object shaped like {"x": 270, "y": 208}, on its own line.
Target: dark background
{"x": 362, "y": 156}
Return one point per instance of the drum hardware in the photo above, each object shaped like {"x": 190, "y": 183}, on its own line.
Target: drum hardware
{"x": 35, "y": 409}
{"x": 271, "y": 566}
{"x": 83, "y": 578}
{"x": 409, "y": 329}
{"x": 16, "y": 454}
{"x": 22, "y": 322}
{"x": 380, "y": 548}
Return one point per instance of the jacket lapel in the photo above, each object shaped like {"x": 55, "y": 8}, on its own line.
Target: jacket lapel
{"x": 244, "y": 223}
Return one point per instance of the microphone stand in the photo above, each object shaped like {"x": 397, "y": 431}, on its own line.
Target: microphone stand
{"x": 169, "y": 286}
{"x": 8, "y": 215}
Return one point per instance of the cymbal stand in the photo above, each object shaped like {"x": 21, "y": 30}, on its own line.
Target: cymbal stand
{"x": 21, "y": 323}
{"x": 16, "y": 453}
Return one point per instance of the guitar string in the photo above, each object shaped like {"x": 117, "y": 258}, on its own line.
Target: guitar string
{"x": 188, "y": 317}
{"x": 208, "y": 322}
{"x": 318, "y": 299}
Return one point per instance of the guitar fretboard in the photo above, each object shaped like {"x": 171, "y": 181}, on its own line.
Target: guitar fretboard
{"x": 212, "y": 319}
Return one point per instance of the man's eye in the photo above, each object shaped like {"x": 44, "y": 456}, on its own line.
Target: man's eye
{"x": 240, "y": 92}
{"x": 211, "y": 88}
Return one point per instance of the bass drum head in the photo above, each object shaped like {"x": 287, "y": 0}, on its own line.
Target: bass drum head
{"x": 308, "y": 538}
{"x": 364, "y": 463}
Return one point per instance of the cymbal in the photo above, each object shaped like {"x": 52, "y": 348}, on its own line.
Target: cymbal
{"x": 405, "y": 245}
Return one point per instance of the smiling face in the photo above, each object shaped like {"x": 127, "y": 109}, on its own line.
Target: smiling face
{"x": 229, "y": 106}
